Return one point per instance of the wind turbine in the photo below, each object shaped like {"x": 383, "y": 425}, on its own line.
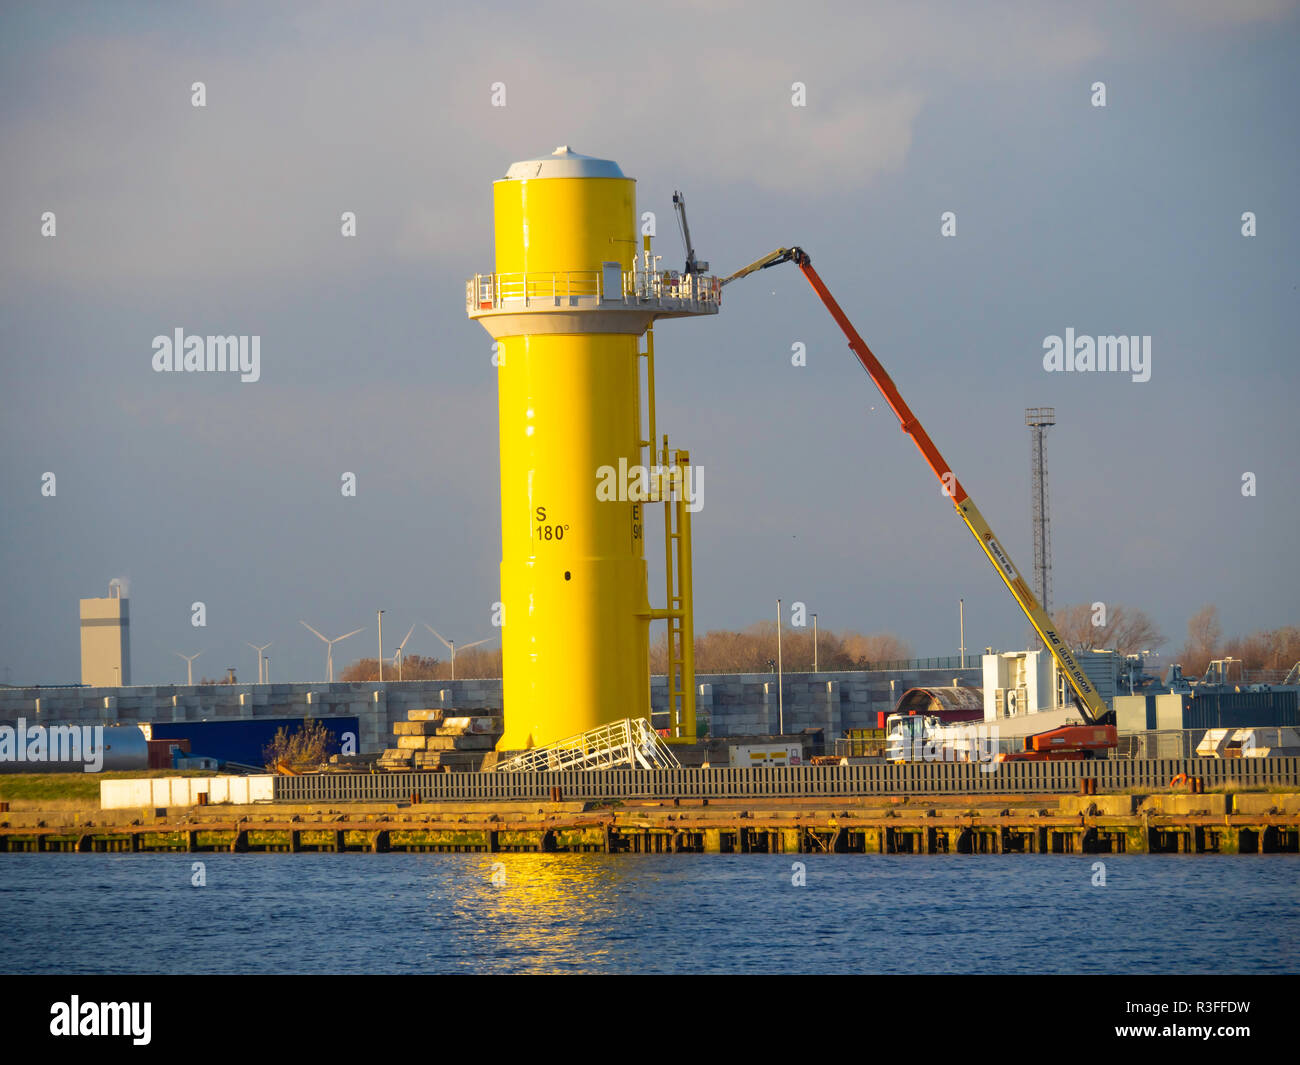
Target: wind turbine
{"x": 451, "y": 645}
{"x": 329, "y": 654}
{"x": 189, "y": 665}
{"x": 259, "y": 650}
{"x": 400, "y": 656}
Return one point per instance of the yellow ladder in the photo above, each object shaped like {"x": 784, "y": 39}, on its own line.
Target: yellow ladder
{"x": 680, "y": 612}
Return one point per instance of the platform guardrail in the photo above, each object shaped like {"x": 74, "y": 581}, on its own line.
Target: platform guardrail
{"x": 588, "y": 288}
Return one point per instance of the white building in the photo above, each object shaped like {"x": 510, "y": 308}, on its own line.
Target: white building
{"x": 1027, "y": 682}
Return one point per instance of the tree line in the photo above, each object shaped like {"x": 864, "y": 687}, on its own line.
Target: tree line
{"x": 475, "y": 662}
{"x": 1129, "y": 631}
{"x": 750, "y": 650}
{"x": 1121, "y": 628}
{"x": 1276, "y": 650}
{"x": 754, "y": 650}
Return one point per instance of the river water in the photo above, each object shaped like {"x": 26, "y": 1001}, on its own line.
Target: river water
{"x": 588, "y": 913}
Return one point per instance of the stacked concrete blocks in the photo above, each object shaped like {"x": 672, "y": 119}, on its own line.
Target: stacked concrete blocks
{"x": 432, "y": 738}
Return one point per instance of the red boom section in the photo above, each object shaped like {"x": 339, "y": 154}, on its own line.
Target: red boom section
{"x": 885, "y": 383}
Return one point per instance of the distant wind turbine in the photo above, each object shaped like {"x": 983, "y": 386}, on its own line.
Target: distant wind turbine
{"x": 189, "y": 665}
{"x": 329, "y": 654}
{"x": 260, "y": 678}
{"x": 400, "y": 656}
{"x": 451, "y": 645}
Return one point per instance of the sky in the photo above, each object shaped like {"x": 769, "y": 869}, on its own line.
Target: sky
{"x": 1124, "y": 219}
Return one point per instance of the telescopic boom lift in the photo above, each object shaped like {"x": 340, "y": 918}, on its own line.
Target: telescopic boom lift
{"x": 1087, "y": 700}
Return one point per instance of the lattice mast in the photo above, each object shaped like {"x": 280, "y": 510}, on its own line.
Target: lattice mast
{"x": 1039, "y": 420}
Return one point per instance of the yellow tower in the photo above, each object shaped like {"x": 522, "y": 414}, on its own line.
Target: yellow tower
{"x": 574, "y": 289}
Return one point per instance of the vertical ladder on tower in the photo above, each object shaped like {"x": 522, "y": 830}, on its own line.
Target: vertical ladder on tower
{"x": 671, "y": 483}
{"x": 678, "y": 577}
{"x": 672, "y": 541}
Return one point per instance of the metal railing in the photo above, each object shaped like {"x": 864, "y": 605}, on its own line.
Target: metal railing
{"x": 630, "y": 742}
{"x": 916, "y": 778}
{"x": 588, "y": 288}
{"x": 945, "y": 662}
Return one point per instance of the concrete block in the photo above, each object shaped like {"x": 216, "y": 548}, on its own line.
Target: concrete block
{"x": 1256, "y": 803}
{"x": 1107, "y": 805}
{"x": 416, "y": 728}
{"x": 1186, "y": 804}
{"x": 459, "y": 726}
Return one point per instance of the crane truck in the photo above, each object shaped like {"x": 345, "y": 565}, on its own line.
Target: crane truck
{"x": 1069, "y": 739}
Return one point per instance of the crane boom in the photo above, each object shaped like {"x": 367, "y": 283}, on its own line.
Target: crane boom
{"x": 693, "y": 265}
{"x": 1089, "y": 702}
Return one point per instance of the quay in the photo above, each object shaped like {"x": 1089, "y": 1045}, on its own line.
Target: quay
{"x": 1207, "y": 823}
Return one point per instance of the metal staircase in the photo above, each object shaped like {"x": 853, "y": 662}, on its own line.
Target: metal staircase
{"x": 629, "y": 743}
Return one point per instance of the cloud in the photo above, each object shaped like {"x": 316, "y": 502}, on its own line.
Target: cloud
{"x": 389, "y": 115}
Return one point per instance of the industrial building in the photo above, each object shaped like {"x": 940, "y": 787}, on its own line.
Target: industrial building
{"x": 106, "y": 640}
{"x": 1025, "y": 682}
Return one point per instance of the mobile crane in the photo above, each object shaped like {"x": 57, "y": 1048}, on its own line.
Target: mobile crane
{"x": 1070, "y": 741}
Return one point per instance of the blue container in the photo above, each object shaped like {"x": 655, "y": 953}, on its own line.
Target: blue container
{"x": 1241, "y": 710}
{"x": 243, "y": 741}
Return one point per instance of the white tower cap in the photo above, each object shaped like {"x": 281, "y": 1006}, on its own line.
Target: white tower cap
{"x": 563, "y": 163}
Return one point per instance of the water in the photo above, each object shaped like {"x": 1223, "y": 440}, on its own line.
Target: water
{"x": 399, "y": 913}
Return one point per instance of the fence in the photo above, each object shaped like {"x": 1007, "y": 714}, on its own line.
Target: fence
{"x": 860, "y": 743}
{"x": 947, "y": 662}
{"x": 1229, "y": 743}
{"x": 916, "y": 778}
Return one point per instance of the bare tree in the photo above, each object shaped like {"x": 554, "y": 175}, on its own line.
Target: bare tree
{"x": 1275, "y": 650}
{"x": 1204, "y": 635}
{"x": 753, "y": 650}
{"x": 1123, "y": 629}
{"x": 474, "y": 662}
{"x": 875, "y": 647}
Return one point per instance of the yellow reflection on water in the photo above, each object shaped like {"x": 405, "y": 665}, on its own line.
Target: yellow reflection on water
{"x": 560, "y": 910}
